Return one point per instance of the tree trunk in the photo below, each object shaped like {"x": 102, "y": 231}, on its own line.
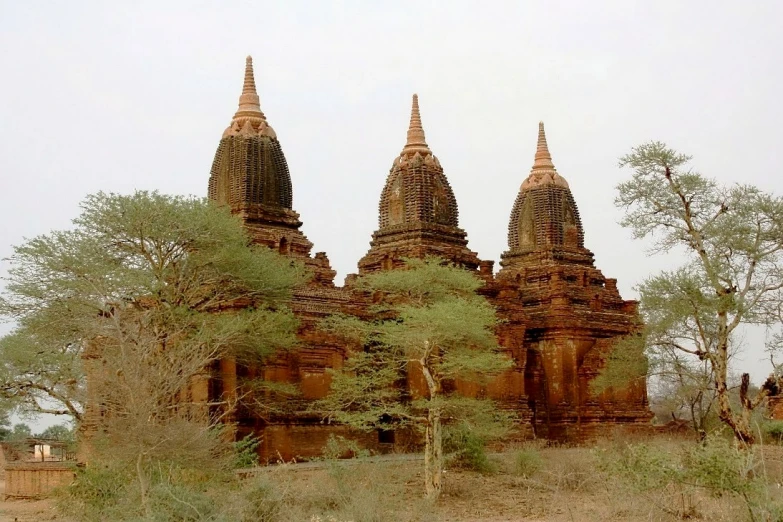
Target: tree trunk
{"x": 433, "y": 454}
{"x": 142, "y": 484}
{"x": 739, "y": 424}
{"x": 433, "y": 437}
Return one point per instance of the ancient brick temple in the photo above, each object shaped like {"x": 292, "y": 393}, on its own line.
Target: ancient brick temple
{"x": 561, "y": 314}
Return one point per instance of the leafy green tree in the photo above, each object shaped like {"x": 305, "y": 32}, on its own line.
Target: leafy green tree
{"x": 732, "y": 240}
{"x": 432, "y": 328}
{"x": 20, "y": 431}
{"x": 60, "y": 432}
{"x": 5, "y": 424}
{"x": 148, "y": 291}
{"x": 39, "y": 377}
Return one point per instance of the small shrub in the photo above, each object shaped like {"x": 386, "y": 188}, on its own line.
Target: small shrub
{"x": 570, "y": 469}
{"x": 716, "y": 466}
{"x": 339, "y": 447}
{"x": 182, "y": 502}
{"x": 246, "y": 452}
{"x": 643, "y": 466}
{"x": 720, "y": 467}
{"x": 467, "y": 449}
{"x": 93, "y": 492}
{"x": 527, "y": 462}
{"x": 264, "y": 501}
{"x": 773, "y": 431}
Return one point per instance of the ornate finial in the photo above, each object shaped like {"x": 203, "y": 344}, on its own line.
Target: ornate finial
{"x": 416, "y": 141}
{"x": 249, "y": 86}
{"x": 249, "y": 104}
{"x": 543, "y": 160}
{"x": 543, "y": 171}
{"x": 249, "y": 108}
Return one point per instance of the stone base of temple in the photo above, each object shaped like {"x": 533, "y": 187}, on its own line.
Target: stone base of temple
{"x": 574, "y": 429}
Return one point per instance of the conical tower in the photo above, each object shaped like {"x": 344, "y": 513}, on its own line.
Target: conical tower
{"x": 250, "y": 175}
{"x": 418, "y": 214}
{"x": 574, "y": 316}
{"x": 544, "y": 224}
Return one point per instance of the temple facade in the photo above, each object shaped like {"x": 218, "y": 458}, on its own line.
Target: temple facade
{"x": 560, "y": 314}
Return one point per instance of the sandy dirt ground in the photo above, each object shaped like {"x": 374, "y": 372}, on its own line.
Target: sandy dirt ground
{"x": 26, "y": 510}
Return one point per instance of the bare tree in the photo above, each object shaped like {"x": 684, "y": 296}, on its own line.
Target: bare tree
{"x": 731, "y": 238}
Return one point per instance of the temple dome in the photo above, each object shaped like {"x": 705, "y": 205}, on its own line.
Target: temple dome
{"x": 416, "y": 190}
{"x": 418, "y": 211}
{"x": 250, "y": 171}
{"x": 544, "y": 213}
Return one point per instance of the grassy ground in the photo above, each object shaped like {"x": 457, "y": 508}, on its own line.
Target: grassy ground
{"x": 526, "y": 484}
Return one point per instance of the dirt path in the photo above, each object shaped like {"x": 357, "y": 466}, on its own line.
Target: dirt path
{"x": 26, "y": 510}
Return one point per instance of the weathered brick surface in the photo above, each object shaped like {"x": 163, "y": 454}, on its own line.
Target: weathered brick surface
{"x": 775, "y": 407}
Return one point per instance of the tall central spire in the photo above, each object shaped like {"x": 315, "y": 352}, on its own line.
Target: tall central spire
{"x": 249, "y": 86}
{"x": 543, "y": 160}
{"x": 416, "y": 141}
{"x": 249, "y": 119}
{"x": 543, "y": 171}
{"x": 249, "y": 103}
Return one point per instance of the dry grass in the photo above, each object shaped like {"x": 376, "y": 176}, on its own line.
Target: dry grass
{"x": 564, "y": 484}
{"x": 555, "y": 484}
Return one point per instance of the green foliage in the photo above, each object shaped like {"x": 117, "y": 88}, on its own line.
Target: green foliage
{"x": 96, "y": 493}
{"x": 139, "y": 270}
{"x": 625, "y": 364}
{"x": 773, "y": 430}
{"x": 351, "y": 490}
{"x": 467, "y": 449}
{"x": 20, "y": 431}
{"x": 717, "y": 466}
{"x": 720, "y": 467}
{"x": 265, "y": 501}
{"x": 59, "y": 432}
{"x": 173, "y": 494}
{"x": 431, "y": 327}
{"x": 35, "y": 373}
{"x": 5, "y": 424}
{"x": 246, "y": 450}
{"x": 424, "y": 281}
{"x": 475, "y": 423}
{"x": 731, "y": 239}
{"x": 147, "y": 291}
{"x": 431, "y": 314}
{"x": 527, "y": 461}
{"x": 644, "y": 466}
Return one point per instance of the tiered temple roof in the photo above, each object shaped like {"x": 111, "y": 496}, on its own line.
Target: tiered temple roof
{"x": 544, "y": 222}
{"x": 250, "y": 172}
{"x": 250, "y": 175}
{"x": 418, "y": 213}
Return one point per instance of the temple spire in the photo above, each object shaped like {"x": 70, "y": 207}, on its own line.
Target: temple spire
{"x": 543, "y": 171}
{"x": 249, "y": 86}
{"x": 543, "y": 160}
{"x": 416, "y": 141}
{"x": 249, "y": 103}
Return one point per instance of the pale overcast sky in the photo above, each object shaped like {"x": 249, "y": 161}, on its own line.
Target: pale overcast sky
{"x": 119, "y": 96}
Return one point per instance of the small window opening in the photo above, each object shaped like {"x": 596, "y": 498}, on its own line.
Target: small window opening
{"x": 386, "y": 436}
{"x": 283, "y": 248}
